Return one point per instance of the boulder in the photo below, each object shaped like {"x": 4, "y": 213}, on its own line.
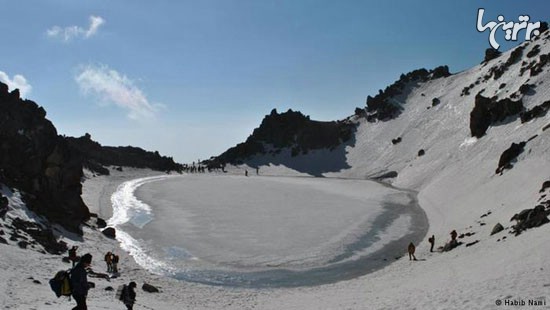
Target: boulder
{"x": 101, "y": 223}
{"x": 498, "y": 228}
{"x": 530, "y": 218}
{"x": 509, "y": 155}
{"x": 109, "y": 232}
{"x": 150, "y": 288}
{"x": 489, "y": 111}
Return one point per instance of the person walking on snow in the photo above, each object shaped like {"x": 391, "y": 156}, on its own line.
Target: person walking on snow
{"x": 129, "y": 295}
{"x": 115, "y": 259}
{"x": 411, "y": 250}
{"x": 79, "y": 282}
{"x": 109, "y": 261}
{"x": 432, "y": 242}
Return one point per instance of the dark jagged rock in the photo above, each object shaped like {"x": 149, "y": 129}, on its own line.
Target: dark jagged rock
{"x": 38, "y": 162}
{"x": 109, "y": 232}
{"x": 386, "y": 175}
{"x": 498, "y": 228}
{"x": 534, "y": 51}
{"x": 101, "y": 223}
{"x": 491, "y": 54}
{"x": 95, "y": 156}
{"x": 288, "y": 130}
{"x": 497, "y": 71}
{"x": 525, "y": 88}
{"x": 3, "y": 241}
{"x": 360, "y": 112}
{"x": 43, "y": 235}
{"x": 488, "y": 111}
{"x": 543, "y": 28}
{"x": 535, "y": 112}
{"x": 505, "y": 161}
{"x": 451, "y": 245}
{"x": 421, "y": 153}
{"x": 537, "y": 67}
{"x": 150, "y": 288}
{"x": 384, "y": 107}
{"x": 396, "y": 141}
{"x": 3, "y": 206}
{"x": 435, "y": 102}
{"x": 545, "y": 185}
{"x": 23, "y": 244}
{"x": 530, "y": 218}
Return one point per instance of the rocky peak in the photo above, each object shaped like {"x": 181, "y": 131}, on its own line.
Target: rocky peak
{"x": 38, "y": 162}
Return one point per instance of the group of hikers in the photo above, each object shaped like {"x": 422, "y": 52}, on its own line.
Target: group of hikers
{"x": 79, "y": 279}
{"x": 452, "y": 244}
{"x": 111, "y": 259}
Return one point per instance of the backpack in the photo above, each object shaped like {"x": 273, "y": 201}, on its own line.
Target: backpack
{"x": 120, "y": 292}
{"x": 61, "y": 283}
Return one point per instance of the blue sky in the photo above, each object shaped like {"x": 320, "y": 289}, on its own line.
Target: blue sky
{"x": 193, "y": 78}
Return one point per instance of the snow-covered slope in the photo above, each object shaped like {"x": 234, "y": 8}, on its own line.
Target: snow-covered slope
{"x": 459, "y": 188}
{"x": 457, "y": 170}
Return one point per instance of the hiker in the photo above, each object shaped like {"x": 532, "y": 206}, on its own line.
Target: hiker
{"x": 129, "y": 295}
{"x": 79, "y": 282}
{"x": 432, "y": 242}
{"x": 453, "y": 235}
{"x": 72, "y": 255}
{"x": 109, "y": 261}
{"x": 411, "y": 251}
{"x": 246, "y": 173}
{"x": 115, "y": 263}
{"x": 257, "y": 170}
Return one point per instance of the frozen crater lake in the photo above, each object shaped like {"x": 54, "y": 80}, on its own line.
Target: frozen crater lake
{"x": 264, "y": 231}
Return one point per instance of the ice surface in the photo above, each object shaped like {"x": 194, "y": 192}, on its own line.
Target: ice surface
{"x": 213, "y": 228}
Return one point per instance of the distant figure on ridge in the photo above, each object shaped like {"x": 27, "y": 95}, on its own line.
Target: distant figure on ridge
{"x": 246, "y": 173}
{"x": 257, "y": 170}
{"x": 432, "y": 242}
{"x": 72, "y": 255}
{"x": 411, "y": 251}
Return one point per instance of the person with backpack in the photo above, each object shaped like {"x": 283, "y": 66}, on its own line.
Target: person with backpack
{"x": 128, "y": 296}
{"x": 79, "y": 282}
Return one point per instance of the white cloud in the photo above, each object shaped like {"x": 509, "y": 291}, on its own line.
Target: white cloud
{"x": 114, "y": 88}
{"x": 95, "y": 23}
{"x": 71, "y": 32}
{"x": 18, "y": 82}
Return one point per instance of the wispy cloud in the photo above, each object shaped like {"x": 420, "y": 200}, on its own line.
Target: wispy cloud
{"x": 18, "y": 81}
{"x": 111, "y": 87}
{"x": 68, "y": 33}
